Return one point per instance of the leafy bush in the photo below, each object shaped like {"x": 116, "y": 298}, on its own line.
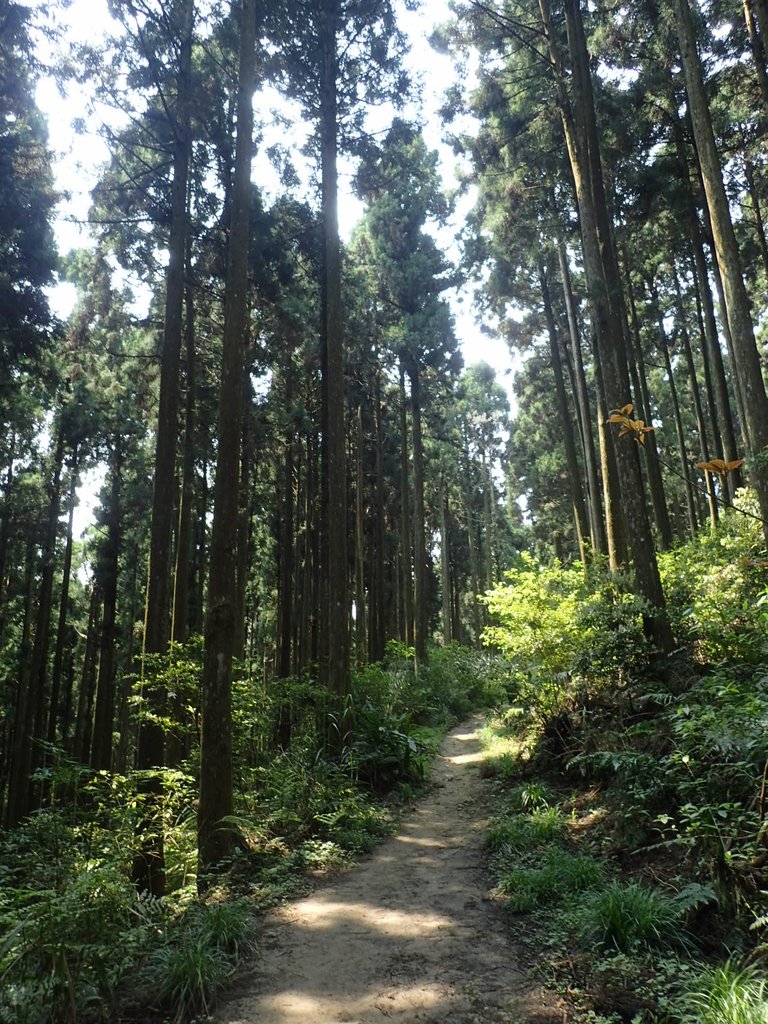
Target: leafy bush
{"x": 712, "y": 584}
{"x": 71, "y": 945}
{"x": 535, "y": 611}
{"x": 564, "y": 635}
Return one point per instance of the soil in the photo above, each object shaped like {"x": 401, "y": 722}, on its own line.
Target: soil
{"x": 408, "y": 935}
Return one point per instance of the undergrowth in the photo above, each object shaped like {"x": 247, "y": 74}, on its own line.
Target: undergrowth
{"x": 631, "y": 839}
{"x": 317, "y": 785}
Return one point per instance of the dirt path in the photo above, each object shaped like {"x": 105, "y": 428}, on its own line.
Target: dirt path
{"x": 407, "y": 935}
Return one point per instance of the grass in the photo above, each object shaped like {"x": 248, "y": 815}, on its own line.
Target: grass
{"x": 630, "y": 917}
{"x": 188, "y": 976}
{"x": 728, "y": 995}
{"x": 526, "y": 888}
{"x": 524, "y": 831}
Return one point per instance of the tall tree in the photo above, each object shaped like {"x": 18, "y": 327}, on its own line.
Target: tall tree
{"x": 215, "y": 803}
{"x": 148, "y": 869}
{"x": 401, "y": 184}
{"x": 338, "y": 56}
{"x": 728, "y": 258}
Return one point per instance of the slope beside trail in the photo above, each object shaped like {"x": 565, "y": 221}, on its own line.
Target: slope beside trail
{"x": 407, "y": 935}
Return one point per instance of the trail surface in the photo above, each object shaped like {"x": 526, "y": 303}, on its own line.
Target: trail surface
{"x": 406, "y": 936}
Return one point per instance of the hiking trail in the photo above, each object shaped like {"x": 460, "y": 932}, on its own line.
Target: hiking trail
{"x": 407, "y": 935}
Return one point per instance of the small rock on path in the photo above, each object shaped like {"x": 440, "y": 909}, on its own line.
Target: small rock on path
{"x": 406, "y": 936}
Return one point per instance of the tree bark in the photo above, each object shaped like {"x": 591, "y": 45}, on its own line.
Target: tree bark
{"x": 701, "y": 425}
{"x": 747, "y": 365}
{"x": 377, "y": 637}
{"x": 406, "y": 546}
{"x": 361, "y": 638}
{"x": 445, "y": 566}
{"x": 757, "y": 45}
{"x": 601, "y": 266}
{"x": 596, "y": 521}
{"x": 566, "y": 423}
{"x": 652, "y": 464}
{"x": 30, "y": 715}
{"x": 335, "y": 662}
{"x": 421, "y": 568}
{"x": 214, "y": 836}
{"x": 685, "y": 465}
{"x": 61, "y": 631}
{"x": 149, "y": 865}
{"x": 103, "y": 725}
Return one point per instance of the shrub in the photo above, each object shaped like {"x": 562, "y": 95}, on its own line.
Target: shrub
{"x": 188, "y": 976}
{"x": 564, "y": 635}
{"x": 712, "y": 584}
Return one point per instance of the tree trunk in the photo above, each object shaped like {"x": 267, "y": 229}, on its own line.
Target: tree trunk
{"x": 215, "y": 839}
{"x": 361, "y": 639}
{"x": 714, "y": 353}
{"x": 652, "y": 464}
{"x": 285, "y": 554}
{"x": 22, "y": 690}
{"x": 244, "y": 521}
{"x": 474, "y": 570}
{"x": 596, "y": 521}
{"x": 182, "y": 576}
{"x": 103, "y": 724}
{"x": 29, "y": 725}
{"x": 615, "y": 527}
{"x": 749, "y": 174}
{"x": 149, "y": 866}
{"x": 711, "y": 348}
{"x": 377, "y": 638}
{"x": 84, "y": 719}
{"x": 335, "y": 662}
{"x": 566, "y": 423}
{"x": 61, "y": 631}
{"x": 756, "y": 43}
{"x": 701, "y": 425}
{"x": 406, "y": 546}
{"x": 605, "y": 294}
{"x": 445, "y": 567}
{"x": 747, "y": 364}
{"x": 421, "y": 568}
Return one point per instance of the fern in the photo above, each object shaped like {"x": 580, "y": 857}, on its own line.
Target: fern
{"x": 693, "y": 896}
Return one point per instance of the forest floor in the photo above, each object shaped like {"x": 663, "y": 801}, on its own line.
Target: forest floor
{"x": 408, "y": 935}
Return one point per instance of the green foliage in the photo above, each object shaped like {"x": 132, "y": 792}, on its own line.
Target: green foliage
{"x": 72, "y": 924}
{"x": 526, "y": 888}
{"x": 713, "y": 585}
{"x": 523, "y": 832}
{"x": 564, "y": 635}
{"x": 187, "y": 973}
{"x": 531, "y": 796}
{"x": 727, "y": 995}
{"x": 188, "y": 976}
{"x": 674, "y": 756}
{"x": 634, "y": 916}
{"x": 536, "y": 610}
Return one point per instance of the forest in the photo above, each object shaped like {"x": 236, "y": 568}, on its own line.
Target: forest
{"x": 321, "y": 536}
